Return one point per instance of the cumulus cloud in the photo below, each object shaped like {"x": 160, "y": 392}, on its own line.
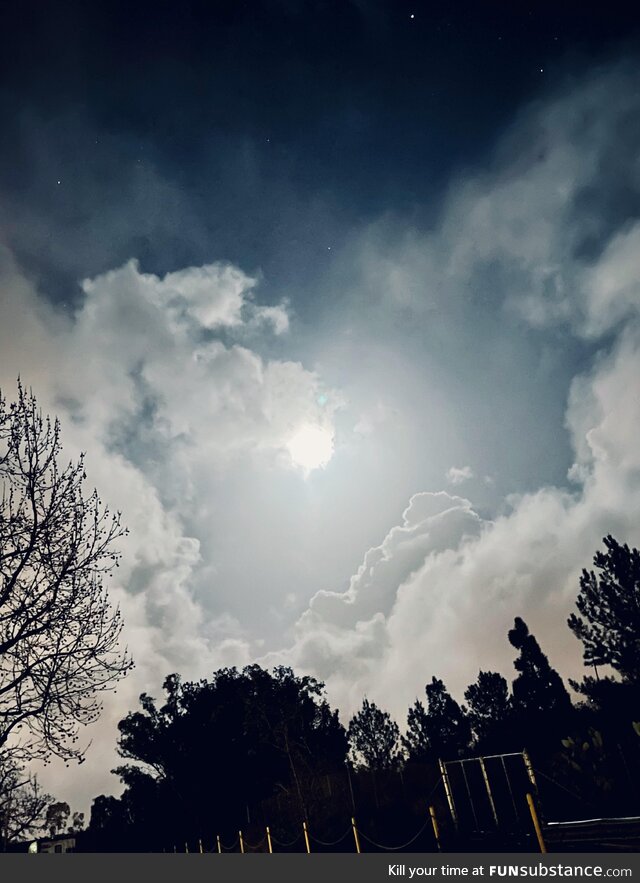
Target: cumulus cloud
{"x": 438, "y": 595}
{"x": 440, "y": 592}
{"x": 162, "y": 380}
{"x": 161, "y": 404}
{"x": 459, "y": 474}
{"x": 557, "y": 199}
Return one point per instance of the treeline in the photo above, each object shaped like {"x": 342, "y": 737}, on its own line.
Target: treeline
{"x": 214, "y": 750}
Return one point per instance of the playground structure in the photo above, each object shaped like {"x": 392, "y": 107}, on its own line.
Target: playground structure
{"x": 498, "y": 803}
{"x": 473, "y": 801}
{"x": 485, "y": 795}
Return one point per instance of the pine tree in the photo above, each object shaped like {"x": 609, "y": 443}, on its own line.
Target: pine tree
{"x": 447, "y": 726}
{"x": 609, "y": 608}
{"x": 539, "y": 693}
{"x": 374, "y": 738}
{"x": 416, "y": 739}
{"x": 490, "y": 711}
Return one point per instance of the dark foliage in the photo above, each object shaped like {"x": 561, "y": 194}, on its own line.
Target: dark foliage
{"x": 490, "y": 713}
{"x": 609, "y": 608}
{"x": 253, "y": 746}
{"x": 216, "y": 748}
{"x": 447, "y": 725}
{"x": 374, "y": 738}
{"x": 416, "y": 739}
{"x": 540, "y": 699}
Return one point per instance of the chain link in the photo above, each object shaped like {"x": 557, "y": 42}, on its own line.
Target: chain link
{"x": 331, "y": 842}
{"x": 394, "y": 848}
{"x": 285, "y": 845}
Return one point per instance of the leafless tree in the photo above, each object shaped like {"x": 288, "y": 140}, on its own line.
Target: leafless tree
{"x": 58, "y": 632}
{"x": 22, "y": 803}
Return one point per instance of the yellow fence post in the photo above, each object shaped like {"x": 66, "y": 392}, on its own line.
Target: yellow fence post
{"x": 218, "y": 842}
{"x": 436, "y": 830}
{"x": 269, "y": 839}
{"x": 536, "y": 822}
{"x": 529, "y": 768}
{"x": 241, "y": 841}
{"x": 355, "y": 835}
{"x": 448, "y": 792}
{"x": 306, "y": 836}
{"x": 485, "y": 776}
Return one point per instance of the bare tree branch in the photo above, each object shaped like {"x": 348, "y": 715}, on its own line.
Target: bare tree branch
{"x": 58, "y": 632}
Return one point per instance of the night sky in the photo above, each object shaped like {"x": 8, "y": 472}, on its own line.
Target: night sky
{"x": 341, "y": 300}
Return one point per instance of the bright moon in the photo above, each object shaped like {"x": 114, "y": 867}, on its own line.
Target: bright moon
{"x": 311, "y": 447}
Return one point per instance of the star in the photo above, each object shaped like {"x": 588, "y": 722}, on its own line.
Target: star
{"x": 59, "y": 182}
{"x": 412, "y": 15}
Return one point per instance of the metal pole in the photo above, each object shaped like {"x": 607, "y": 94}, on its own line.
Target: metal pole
{"x": 473, "y": 809}
{"x": 269, "y": 839}
{"x": 306, "y": 836}
{"x": 485, "y": 776}
{"x": 241, "y": 842}
{"x": 536, "y": 822}
{"x": 448, "y": 792}
{"x": 355, "y": 835}
{"x": 186, "y": 847}
{"x": 218, "y": 842}
{"x": 529, "y": 768}
{"x": 200, "y": 846}
{"x": 436, "y": 830}
{"x": 353, "y": 802}
{"x": 513, "y": 801}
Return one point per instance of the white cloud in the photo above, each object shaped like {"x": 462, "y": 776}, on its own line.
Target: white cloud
{"x": 440, "y": 592}
{"x": 276, "y": 316}
{"x": 160, "y": 406}
{"x": 459, "y": 474}
{"x": 372, "y": 418}
{"x": 161, "y": 380}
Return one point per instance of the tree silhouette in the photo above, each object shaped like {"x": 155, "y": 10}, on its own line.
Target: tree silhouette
{"x": 77, "y": 822}
{"x": 539, "y": 687}
{"x": 109, "y": 825}
{"x": 22, "y": 802}
{"x": 447, "y": 725}
{"x": 490, "y": 712}
{"x": 416, "y": 739}
{"x": 374, "y": 738}
{"x": 57, "y": 817}
{"x": 609, "y": 608}
{"x": 216, "y": 747}
{"x": 538, "y": 692}
{"x": 58, "y": 633}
